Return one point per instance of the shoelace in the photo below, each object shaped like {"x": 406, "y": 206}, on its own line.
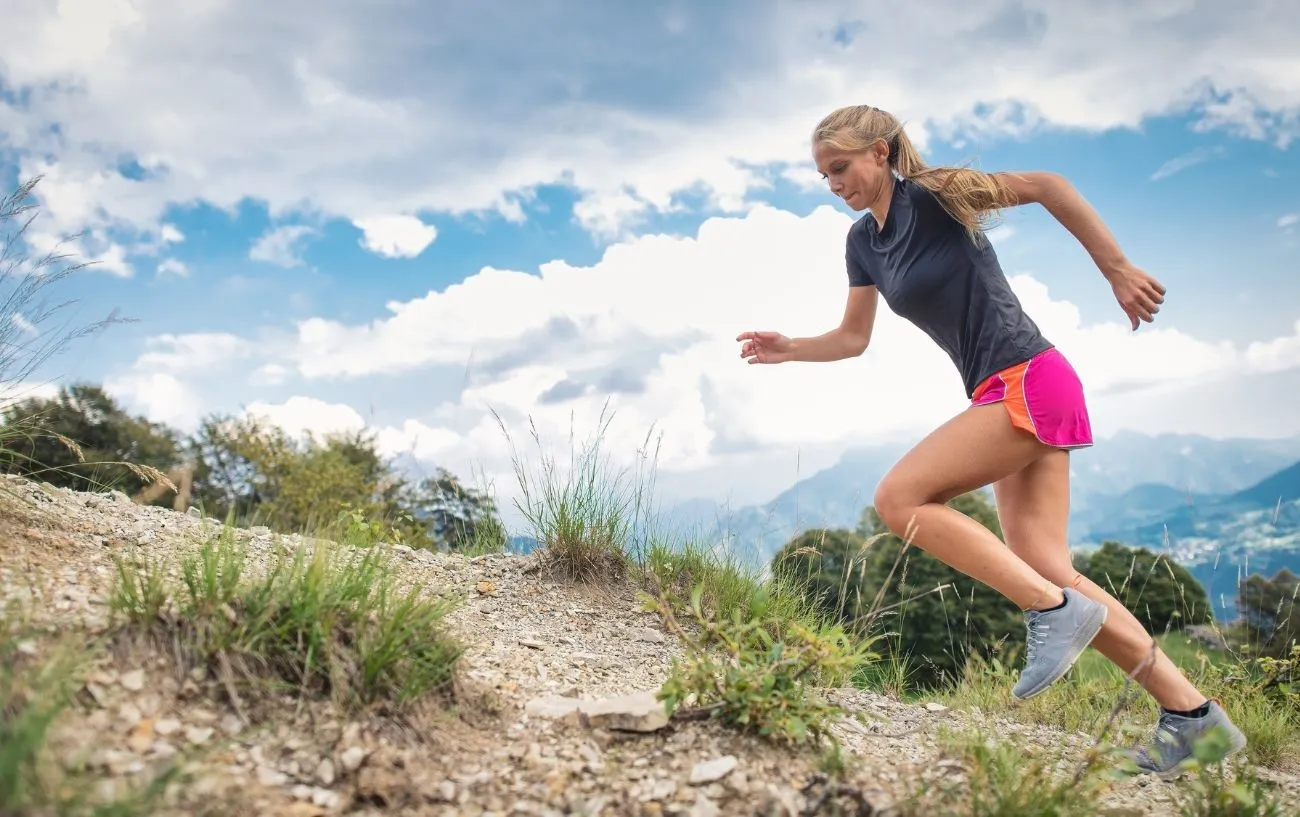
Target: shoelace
{"x": 1037, "y": 635}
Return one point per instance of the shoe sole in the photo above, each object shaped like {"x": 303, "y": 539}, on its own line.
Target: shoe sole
{"x": 1238, "y": 743}
{"x": 1085, "y": 635}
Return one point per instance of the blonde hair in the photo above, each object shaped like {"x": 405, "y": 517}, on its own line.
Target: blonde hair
{"x": 972, "y": 197}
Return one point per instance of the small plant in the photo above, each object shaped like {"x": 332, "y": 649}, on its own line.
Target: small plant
{"x": 34, "y": 693}
{"x": 326, "y": 619}
{"x": 737, "y": 670}
{"x": 591, "y": 521}
{"x": 1213, "y": 792}
{"x": 1004, "y": 779}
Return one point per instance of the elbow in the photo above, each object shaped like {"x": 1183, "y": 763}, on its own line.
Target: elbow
{"x": 855, "y": 345}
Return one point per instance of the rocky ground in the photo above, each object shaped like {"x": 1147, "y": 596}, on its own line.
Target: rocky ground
{"x": 551, "y": 714}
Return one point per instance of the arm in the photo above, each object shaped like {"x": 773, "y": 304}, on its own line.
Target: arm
{"x": 1138, "y": 293}
{"x": 1060, "y": 198}
{"x": 850, "y": 338}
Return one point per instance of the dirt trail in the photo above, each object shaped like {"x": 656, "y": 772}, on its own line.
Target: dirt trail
{"x": 531, "y": 639}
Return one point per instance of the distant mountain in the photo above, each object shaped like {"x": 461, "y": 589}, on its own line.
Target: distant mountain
{"x": 1220, "y": 539}
{"x": 1117, "y": 486}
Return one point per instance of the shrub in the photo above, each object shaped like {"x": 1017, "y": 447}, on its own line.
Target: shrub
{"x": 737, "y": 670}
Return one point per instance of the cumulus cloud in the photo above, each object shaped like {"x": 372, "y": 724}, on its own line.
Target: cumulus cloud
{"x": 646, "y": 335}
{"x": 329, "y": 111}
{"x": 303, "y": 415}
{"x": 282, "y": 245}
{"x": 396, "y": 236}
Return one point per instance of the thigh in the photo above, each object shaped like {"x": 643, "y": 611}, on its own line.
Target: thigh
{"x": 975, "y": 448}
{"x": 1033, "y": 507}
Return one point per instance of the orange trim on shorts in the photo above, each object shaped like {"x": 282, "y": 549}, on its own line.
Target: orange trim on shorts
{"x": 1012, "y": 381}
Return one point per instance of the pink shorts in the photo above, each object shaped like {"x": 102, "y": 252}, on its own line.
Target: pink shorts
{"x": 1044, "y": 397}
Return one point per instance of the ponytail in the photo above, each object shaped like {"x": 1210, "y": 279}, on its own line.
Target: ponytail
{"x": 971, "y": 197}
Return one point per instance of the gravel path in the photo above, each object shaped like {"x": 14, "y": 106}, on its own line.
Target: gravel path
{"x": 509, "y": 748}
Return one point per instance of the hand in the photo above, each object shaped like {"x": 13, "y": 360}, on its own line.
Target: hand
{"x": 766, "y": 347}
{"x": 1139, "y": 294}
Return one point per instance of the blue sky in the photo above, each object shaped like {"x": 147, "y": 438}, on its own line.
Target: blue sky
{"x": 655, "y": 164}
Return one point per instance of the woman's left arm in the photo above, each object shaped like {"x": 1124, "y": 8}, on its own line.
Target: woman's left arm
{"x": 1138, "y": 293}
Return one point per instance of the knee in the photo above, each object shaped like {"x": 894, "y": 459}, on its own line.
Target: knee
{"x": 895, "y": 505}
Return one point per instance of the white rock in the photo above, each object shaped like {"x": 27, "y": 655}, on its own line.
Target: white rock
{"x": 711, "y": 771}
{"x": 198, "y": 735}
{"x": 268, "y": 776}
{"x": 166, "y": 726}
{"x": 133, "y": 681}
{"x": 325, "y": 773}
{"x": 352, "y": 758}
{"x": 634, "y": 712}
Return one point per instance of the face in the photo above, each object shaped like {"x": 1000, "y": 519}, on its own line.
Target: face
{"x": 856, "y": 177}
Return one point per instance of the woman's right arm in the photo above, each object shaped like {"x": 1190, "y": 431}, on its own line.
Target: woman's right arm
{"x": 850, "y": 338}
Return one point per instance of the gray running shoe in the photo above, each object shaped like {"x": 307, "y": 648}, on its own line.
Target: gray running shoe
{"x": 1176, "y": 737}
{"x": 1055, "y": 641}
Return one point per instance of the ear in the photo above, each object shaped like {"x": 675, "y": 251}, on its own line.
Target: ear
{"x": 880, "y": 151}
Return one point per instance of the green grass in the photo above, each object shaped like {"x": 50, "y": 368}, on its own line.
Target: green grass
{"x": 35, "y": 692}
{"x": 323, "y": 620}
{"x": 1009, "y": 779}
{"x": 1084, "y": 699}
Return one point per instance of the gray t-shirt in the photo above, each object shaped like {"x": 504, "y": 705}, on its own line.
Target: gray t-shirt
{"x": 930, "y": 272}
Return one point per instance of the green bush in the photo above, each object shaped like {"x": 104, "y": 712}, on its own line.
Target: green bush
{"x": 755, "y": 670}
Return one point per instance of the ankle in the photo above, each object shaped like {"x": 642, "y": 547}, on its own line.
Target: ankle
{"x": 1051, "y": 598}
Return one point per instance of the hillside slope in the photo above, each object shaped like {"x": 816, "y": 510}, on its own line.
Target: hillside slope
{"x": 507, "y": 748}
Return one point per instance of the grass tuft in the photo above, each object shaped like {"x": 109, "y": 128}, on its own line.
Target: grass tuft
{"x": 756, "y": 669}
{"x": 1008, "y": 779}
{"x": 324, "y": 619}
{"x": 589, "y": 521}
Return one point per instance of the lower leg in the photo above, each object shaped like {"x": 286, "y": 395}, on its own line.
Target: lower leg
{"x": 1033, "y": 506}
{"x": 967, "y": 546}
{"x": 1129, "y": 646}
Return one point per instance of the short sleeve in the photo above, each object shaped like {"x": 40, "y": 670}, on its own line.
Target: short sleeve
{"x": 858, "y": 275}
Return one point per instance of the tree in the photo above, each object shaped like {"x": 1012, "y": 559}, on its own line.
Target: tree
{"x": 1161, "y": 593}
{"x": 458, "y": 517}
{"x": 250, "y": 471}
{"x": 1270, "y": 609}
{"x": 826, "y": 565}
{"x": 941, "y": 631}
{"x": 937, "y": 630}
{"x": 80, "y": 439}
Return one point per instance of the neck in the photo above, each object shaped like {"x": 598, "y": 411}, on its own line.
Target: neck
{"x": 880, "y": 206}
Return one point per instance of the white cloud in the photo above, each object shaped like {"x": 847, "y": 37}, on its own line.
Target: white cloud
{"x": 1288, "y": 221}
{"x": 1277, "y": 354}
{"x": 173, "y": 266}
{"x": 198, "y": 352}
{"x": 301, "y": 415}
{"x": 396, "y": 236}
{"x": 1180, "y": 163}
{"x": 269, "y": 374}
{"x": 281, "y": 245}
{"x": 23, "y": 325}
{"x": 329, "y": 111}
{"x": 161, "y": 396}
{"x": 650, "y": 327}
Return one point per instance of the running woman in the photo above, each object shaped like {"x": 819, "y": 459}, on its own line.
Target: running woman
{"x": 922, "y": 246}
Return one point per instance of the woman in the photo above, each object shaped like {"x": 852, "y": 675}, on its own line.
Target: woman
{"x": 921, "y": 246}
